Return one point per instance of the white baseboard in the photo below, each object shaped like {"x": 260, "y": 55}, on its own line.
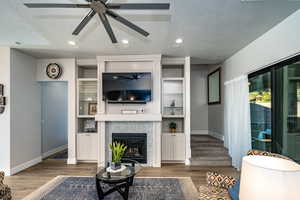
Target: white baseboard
{"x": 25, "y": 165}
{"x": 199, "y": 132}
{"x": 54, "y": 151}
{"x": 216, "y": 135}
{"x": 71, "y": 161}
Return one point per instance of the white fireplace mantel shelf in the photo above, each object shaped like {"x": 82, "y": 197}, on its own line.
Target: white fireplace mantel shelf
{"x": 126, "y": 118}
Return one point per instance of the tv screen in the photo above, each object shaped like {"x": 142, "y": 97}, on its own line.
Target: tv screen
{"x": 127, "y": 87}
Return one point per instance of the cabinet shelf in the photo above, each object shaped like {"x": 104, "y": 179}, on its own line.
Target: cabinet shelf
{"x": 173, "y": 116}
{"x": 173, "y": 79}
{"x": 87, "y": 79}
{"x": 173, "y": 93}
{"x": 86, "y": 116}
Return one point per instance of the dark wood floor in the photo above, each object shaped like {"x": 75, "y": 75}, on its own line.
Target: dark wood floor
{"x": 31, "y": 179}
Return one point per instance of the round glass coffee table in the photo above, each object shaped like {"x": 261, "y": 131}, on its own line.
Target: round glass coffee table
{"x": 117, "y": 181}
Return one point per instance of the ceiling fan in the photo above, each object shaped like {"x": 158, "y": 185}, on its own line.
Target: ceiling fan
{"x": 103, "y": 8}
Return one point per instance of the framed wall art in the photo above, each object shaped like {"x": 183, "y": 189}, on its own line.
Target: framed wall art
{"x": 214, "y": 87}
{"x": 92, "y": 108}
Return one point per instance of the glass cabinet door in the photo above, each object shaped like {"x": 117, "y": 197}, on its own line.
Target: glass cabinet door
{"x": 87, "y": 98}
{"x": 173, "y": 98}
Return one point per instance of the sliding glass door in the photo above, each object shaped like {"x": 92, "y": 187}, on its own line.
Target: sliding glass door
{"x": 275, "y": 110}
{"x": 260, "y": 107}
{"x": 290, "y": 134}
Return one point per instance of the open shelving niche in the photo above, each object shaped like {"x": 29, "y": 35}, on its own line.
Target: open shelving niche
{"x": 173, "y": 97}
{"x": 87, "y": 95}
{"x": 173, "y": 110}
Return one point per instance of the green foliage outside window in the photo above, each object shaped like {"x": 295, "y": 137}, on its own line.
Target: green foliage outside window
{"x": 260, "y": 97}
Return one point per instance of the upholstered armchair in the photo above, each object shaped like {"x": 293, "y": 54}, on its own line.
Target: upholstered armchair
{"x": 5, "y": 192}
{"x": 218, "y": 184}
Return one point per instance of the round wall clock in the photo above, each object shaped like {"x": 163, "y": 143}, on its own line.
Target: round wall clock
{"x": 53, "y": 71}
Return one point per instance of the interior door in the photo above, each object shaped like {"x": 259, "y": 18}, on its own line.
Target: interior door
{"x": 54, "y": 115}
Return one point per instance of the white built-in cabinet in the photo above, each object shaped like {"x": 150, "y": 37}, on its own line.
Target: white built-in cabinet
{"x": 173, "y": 147}
{"x": 175, "y": 107}
{"x": 175, "y": 110}
{"x": 87, "y": 99}
{"x": 87, "y": 144}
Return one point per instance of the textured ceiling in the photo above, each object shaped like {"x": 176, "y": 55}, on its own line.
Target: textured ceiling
{"x": 212, "y": 30}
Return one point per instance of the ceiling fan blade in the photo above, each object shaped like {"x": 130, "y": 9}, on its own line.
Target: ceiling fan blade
{"x": 54, "y": 5}
{"x": 108, "y": 27}
{"x": 127, "y": 23}
{"x": 139, "y": 6}
{"x": 84, "y": 22}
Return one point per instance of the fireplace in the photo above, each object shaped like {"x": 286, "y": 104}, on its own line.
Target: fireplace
{"x": 136, "y": 145}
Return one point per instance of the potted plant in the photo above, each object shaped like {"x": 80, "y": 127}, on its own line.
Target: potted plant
{"x": 117, "y": 150}
{"x": 173, "y": 127}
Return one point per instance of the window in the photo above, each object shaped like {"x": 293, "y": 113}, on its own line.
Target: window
{"x": 274, "y": 97}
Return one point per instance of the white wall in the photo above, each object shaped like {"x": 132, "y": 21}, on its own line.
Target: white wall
{"x": 277, "y": 44}
{"x": 25, "y": 111}
{"x": 69, "y": 75}
{"x": 5, "y": 117}
{"x": 216, "y": 111}
{"x": 20, "y": 124}
{"x": 199, "y": 108}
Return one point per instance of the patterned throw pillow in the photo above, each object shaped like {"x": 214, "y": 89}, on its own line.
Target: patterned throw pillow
{"x": 219, "y": 180}
{"x": 213, "y": 193}
{"x": 256, "y": 152}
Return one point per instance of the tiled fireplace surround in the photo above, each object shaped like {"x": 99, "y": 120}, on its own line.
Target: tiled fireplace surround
{"x": 130, "y": 128}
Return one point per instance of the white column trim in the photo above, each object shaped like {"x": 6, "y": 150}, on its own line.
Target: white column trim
{"x": 187, "y": 124}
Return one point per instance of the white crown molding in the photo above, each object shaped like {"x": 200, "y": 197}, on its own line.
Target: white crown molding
{"x": 54, "y": 151}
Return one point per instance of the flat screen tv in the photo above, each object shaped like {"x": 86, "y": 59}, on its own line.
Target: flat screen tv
{"x": 127, "y": 87}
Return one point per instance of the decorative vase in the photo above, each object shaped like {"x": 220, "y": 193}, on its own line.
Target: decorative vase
{"x": 173, "y": 130}
{"x": 115, "y": 165}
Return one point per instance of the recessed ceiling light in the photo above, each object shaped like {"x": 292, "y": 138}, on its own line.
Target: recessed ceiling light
{"x": 179, "y": 40}
{"x": 18, "y": 43}
{"x": 72, "y": 43}
{"x": 125, "y": 41}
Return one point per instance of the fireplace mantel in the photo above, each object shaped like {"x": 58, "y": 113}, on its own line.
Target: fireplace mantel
{"x": 130, "y": 118}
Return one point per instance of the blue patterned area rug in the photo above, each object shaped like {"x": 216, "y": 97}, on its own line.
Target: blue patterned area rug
{"x": 84, "y": 188}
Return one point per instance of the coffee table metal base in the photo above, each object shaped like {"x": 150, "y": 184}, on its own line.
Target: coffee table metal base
{"x": 119, "y": 186}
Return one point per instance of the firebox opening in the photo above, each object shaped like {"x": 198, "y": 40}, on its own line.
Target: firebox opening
{"x": 136, "y": 145}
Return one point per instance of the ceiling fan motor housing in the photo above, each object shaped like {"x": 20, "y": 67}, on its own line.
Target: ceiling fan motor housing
{"x": 98, "y": 6}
